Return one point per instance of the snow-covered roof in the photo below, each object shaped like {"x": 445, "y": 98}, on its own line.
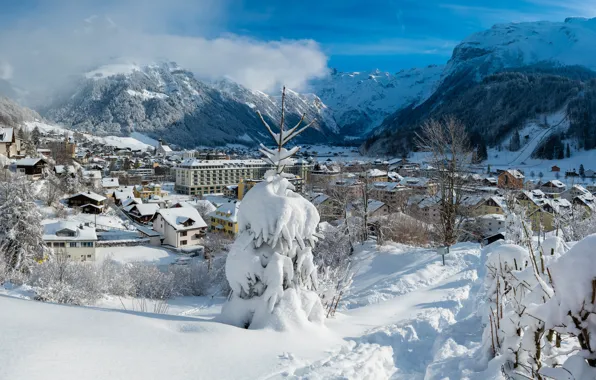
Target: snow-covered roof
{"x": 318, "y": 199}
{"x": 130, "y": 201}
{"x": 388, "y": 186}
{"x": 92, "y": 174}
{"x": 28, "y": 161}
{"x": 227, "y": 211}
{"x": 145, "y": 209}
{"x": 194, "y": 162}
{"x": 373, "y": 205}
{"x": 554, "y": 183}
{"x": 110, "y": 182}
{"x": 515, "y": 173}
{"x": 376, "y": 173}
{"x": 6, "y": 134}
{"x": 179, "y": 216}
{"x": 166, "y": 148}
{"x": 60, "y": 169}
{"x": 61, "y": 231}
{"x": 90, "y": 195}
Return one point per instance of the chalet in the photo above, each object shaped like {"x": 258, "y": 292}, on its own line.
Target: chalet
{"x": 589, "y": 173}
{"x": 553, "y": 188}
{"x": 10, "y": 145}
{"x": 129, "y": 202}
{"x": 33, "y": 168}
{"x": 74, "y": 240}
{"x": 142, "y": 213}
{"x": 490, "y": 224}
{"x": 88, "y": 201}
{"x": 490, "y": 181}
{"x": 555, "y": 168}
{"x": 225, "y": 218}
{"x": 587, "y": 202}
{"x": 510, "y": 179}
{"x": 180, "y": 227}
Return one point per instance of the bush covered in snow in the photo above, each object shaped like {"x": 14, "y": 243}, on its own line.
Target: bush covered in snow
{"x": 62, "y": 280}
{"x": 540, "y": 308}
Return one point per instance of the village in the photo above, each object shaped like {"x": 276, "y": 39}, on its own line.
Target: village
{"x": 101, "y": 200}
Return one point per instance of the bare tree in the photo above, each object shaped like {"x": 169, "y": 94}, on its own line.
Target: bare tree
{"x": 447, "y": 142}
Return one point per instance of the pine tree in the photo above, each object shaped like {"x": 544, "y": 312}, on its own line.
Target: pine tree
{"x": 515, "y": 142}
{"x": 35, "y": 136}
{"x": 488, "y": 170}
{"x": 270, "y": 266}
{"x": 568, "y": 151}
{"x": 482, "y": 153}
{"x": 582, "y": 171}
{"x": 21, "y": 230}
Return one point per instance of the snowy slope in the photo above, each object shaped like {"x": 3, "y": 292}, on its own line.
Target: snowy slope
{"x": 521, "y": 44}
{"x": 361, "y": 100}
{"x": 407, "y": 317}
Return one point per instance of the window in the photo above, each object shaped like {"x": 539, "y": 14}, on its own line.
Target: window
{"x": 72, "y": 245}
{"x": 87, "y": 244}
{"x": 89, "y": 256}
{"x": 184, "y": 233}
{"x": 183, "y": 242}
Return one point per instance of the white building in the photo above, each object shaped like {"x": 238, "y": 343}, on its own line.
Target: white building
{"x": 10, "y": 145}
{"x": 180, "y": 226}
{"x": 75, "y": 240}
{"x": 110, "y": 184}
{"x": 197, "y": 177}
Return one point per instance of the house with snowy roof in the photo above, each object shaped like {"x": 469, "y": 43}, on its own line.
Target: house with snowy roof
{"x": 375, "y": 175}
{"x": 76, "y": 241}
{"x": 510, "y": 179}
{"x": 92, "y": 177}
{"x": 143, "y": 213}
{"x": 225, "y": 218}
{"x": 10, "y": 144}
{"x": 88, "y": 201}
{"x": 376, "y": 208}
{"x": 180, "y": 226}
{"x": 575, "y": 191}
{"x": 33, "y": 168}
{"x": 553, "y": 188}
{"x": 110, "y": 184}
{"x": 490, "y": 205}
{"x": 61, "y": 170}
{"x": 162, "y": 149}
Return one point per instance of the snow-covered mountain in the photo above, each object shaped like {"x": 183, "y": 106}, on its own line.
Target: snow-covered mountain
{"x": 513, "y": 45}
{"x": 361, "y": 100}
{"x": 167, "y": 101}
{"x": 501, "y": 79}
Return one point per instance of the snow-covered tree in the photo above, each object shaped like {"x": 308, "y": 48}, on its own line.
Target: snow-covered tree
{"x": 20, "y": 225}
{"x": 270, "y": 266}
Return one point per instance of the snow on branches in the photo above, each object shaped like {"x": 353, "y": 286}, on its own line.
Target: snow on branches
{"x": 270, "y": 266}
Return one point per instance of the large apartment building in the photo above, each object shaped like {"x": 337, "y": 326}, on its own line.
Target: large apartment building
{"x": 197, "y": 177}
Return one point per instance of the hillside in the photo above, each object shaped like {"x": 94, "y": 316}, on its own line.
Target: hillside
{"x": 499, "y": 80}
{"x": 164, "y": 100}
{"x": 407, "y": 317}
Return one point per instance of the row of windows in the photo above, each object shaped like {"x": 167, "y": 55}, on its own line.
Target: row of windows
{"x": 86, "y": 244}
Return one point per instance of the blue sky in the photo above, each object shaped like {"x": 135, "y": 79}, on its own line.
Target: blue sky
{"x": 389, "y": 34}
{"x": 294, "y": 39}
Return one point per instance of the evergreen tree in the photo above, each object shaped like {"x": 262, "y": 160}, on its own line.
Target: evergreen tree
{"x": 21, "y": 230}
{"x": 582, "y": 171}
{"x": 35, "y": 136}
{"x": 568, "y": 153}
{"x": 515, "y": 142}
{"x": 488, "y": 170}
{"x": 540, "y": 175}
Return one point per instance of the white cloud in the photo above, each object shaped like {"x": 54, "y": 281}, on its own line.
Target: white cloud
{"x": 74, "y": 37}
{"x": 5, "y": 70}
